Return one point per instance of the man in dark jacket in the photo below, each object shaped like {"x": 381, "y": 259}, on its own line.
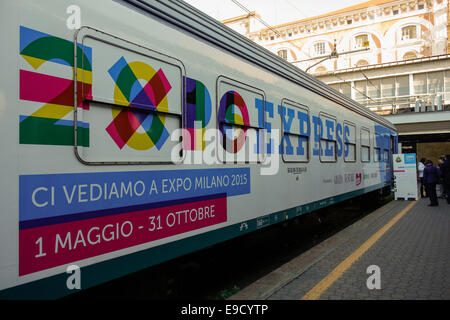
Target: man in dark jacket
{"x": 445, "y": 172}
{"x": 430, "y": 178}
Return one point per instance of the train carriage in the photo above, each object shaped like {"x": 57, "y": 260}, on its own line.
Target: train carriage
{"x": 137, "y": 131}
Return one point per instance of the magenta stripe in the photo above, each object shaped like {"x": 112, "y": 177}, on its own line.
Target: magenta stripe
{"x": 54, "y": 245}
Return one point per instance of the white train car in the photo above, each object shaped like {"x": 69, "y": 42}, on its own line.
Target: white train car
{"x": 137, "y": 131}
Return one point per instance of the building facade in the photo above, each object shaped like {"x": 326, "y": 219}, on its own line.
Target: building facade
{"x": 392, "y": 56}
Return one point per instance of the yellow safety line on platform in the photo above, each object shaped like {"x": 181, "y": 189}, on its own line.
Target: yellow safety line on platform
{"x": 323, "y": 285}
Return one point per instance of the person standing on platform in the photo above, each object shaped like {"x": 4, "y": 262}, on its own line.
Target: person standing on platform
{"x": 430, "y": 178}
{"x": 440, "y": 185}
{"x": 445, "y": 172}
{"x": 420, "y": 167}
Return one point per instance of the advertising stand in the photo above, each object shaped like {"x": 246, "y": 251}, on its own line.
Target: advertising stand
{"x": 405, "y": 176}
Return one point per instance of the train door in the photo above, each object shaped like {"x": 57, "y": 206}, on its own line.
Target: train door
{"x": 393, "y": 149}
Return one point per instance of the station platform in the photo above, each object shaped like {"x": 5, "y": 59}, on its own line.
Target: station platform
{"x": 401, "y": 251}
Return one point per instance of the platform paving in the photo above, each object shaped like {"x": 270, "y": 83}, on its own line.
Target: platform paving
{"x": 413, "y": 257}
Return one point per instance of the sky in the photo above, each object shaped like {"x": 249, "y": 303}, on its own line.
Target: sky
{"x": 273, "y": 12}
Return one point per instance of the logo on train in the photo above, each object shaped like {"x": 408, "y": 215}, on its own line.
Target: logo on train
{"x": 46, "y": 80}
{"x": 197, "y": 114}
{"x": 233, "y": 111}
{"x": 358, "y": 179}
{"x": 139, "y": 86}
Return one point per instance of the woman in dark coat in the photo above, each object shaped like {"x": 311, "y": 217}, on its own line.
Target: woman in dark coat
{"x": 445, "y": 172}
{"x": 430, "y": 178}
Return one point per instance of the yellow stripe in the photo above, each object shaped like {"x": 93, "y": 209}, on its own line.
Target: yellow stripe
{"x": 52, "y": 111}
{"x": 34, "y": 62}
{"x": 83, "y": 75}
{"x": 323, "y": 285}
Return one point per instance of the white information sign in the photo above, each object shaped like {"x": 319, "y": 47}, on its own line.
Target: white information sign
{"x": 405, "y": 176}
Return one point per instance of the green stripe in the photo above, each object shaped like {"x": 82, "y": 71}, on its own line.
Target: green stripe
{"x": 157, "y": 128}
{"x": 200, "y": 102}
{"x": 125, "y": 81}
{"x": 55, "y": 286}
{"x": 37, "y": 130}
{"x": 48, "y": 48}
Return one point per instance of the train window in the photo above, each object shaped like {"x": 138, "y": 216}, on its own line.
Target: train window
{"x": 377, "y": 147}
{"x": 377, "y": 154}
{"x": 386, "y": 155}
{"x": 240, "y": 127}
{"x": 365, "y": 145}
{"x": 135, "y": 102}
{"x": 328, "y": 139}
{"x": 393, "y": 147}
{"x": 349, "y": 142}
{"x": 386, "y": 148}
{"x": 295, "y": 131}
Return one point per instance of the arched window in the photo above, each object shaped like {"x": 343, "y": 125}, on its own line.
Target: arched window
{"x": 409, "y": 33}
{"x": 362, "y": 63}
{"x": 409, "y": 55}
{"x": 320, "y": 69}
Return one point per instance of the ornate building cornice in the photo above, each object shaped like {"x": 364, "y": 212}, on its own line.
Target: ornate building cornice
{"x": 373, "y": 11}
